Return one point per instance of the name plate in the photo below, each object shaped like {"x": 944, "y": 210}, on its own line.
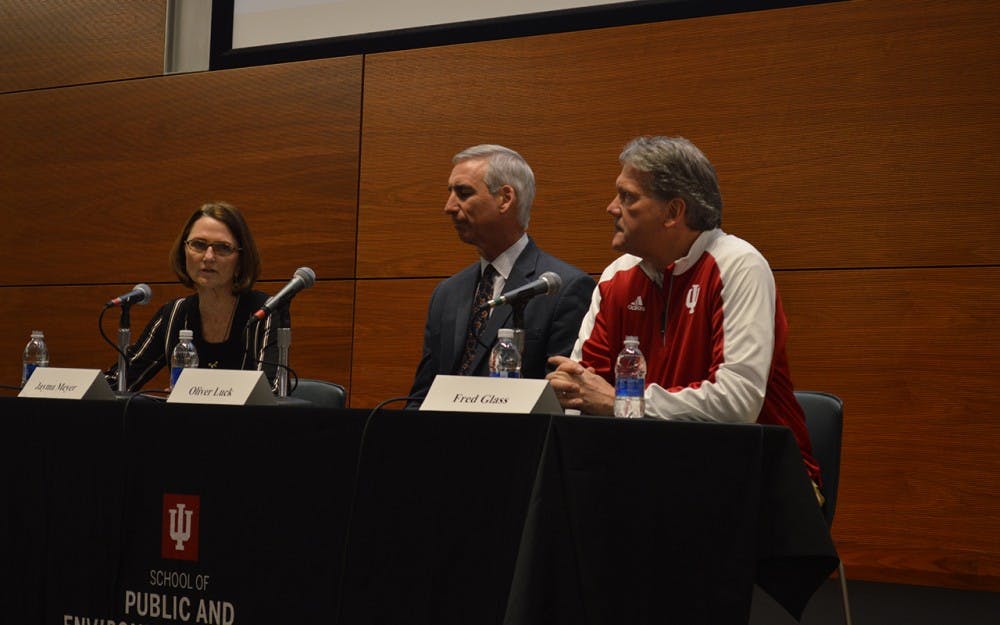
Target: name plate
{"x": 64, "y": 383}
{"x": 230, "y": 387}
{"x": 460, "y": 393}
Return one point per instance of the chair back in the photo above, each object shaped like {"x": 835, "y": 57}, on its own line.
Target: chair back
{"x": 825, "y": 422}
{"x": 320, "y": 392}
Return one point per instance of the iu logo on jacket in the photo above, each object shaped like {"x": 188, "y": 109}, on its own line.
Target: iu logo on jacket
{"x": 691, "y": 299}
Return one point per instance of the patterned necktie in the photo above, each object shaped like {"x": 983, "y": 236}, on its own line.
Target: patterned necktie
{"x": 480, "y": 314}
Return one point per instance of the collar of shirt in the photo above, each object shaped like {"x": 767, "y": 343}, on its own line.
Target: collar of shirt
{"x": 504, "y": 263}
{"x": 687, "y": 261}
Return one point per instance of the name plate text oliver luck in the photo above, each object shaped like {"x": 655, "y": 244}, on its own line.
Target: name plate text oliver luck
{"x": 222, "y": 386}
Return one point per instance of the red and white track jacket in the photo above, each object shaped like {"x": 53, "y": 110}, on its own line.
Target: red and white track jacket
{"x": 713, "y": 333}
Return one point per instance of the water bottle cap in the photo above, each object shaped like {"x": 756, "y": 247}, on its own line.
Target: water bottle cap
{"x": 186, "y": 334}
{"x": 634, "y": 340}
{"x": 37, "y": 334}
{"x": 505, "y": 333}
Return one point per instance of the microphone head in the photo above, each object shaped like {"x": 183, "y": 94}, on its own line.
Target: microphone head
{"x": 147, "y": 293}
{"x": 553, "y": 280}
{"x": 307, "y": 275}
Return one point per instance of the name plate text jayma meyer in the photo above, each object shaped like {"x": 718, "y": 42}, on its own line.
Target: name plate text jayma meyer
{"x": 66, "y": 383}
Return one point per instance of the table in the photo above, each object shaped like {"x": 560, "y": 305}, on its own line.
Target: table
{"x": 308, "y": 515}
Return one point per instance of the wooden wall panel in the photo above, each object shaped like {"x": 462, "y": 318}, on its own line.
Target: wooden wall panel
{"x": 847, "y": 122}
{"x": 321, "y": 326}
{"x": 68, "y": 314}
{"x": 323, "y": 331}
{"x": 908, "y": 350}
{"x": 69, "y": 42}
{"x": 105, "y": 175}
{"x": 389, "y": 335}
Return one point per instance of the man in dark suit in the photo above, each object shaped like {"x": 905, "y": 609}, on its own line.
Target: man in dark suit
{"x": 490, "y": 193}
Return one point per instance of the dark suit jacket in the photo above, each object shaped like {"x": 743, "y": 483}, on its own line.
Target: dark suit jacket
{"x": 551, "y": 322}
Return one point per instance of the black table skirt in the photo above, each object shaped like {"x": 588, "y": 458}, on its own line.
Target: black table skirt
{"x": 307, "y": 515}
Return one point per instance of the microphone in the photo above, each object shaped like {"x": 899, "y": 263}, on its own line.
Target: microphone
{"x": 548, "y": 283}
{"x": 303, "y": 279}
{"x": 141, "y": 294}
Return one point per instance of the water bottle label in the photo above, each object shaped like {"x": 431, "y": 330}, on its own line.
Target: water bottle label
{"x": 28, "y": 370}
{"x": 630, "y": 387}
{"x": 175, "y": 372}
{"x": 505, "y": 374}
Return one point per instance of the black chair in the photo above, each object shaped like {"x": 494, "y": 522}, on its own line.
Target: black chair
{"x": 320, "y": 392}
{"x": 825, "y": 422}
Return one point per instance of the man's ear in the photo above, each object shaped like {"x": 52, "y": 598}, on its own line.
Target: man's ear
{"x": 506, "y": 197}
{"x": 676, "y": 212}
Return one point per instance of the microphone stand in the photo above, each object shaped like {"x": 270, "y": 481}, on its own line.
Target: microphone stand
{"x": 518, "y": 309}
{"x": 284, "y": 340}
{"x": 124, "y": 340}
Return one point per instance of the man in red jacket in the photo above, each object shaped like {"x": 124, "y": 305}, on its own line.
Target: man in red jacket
{"x": 703, "y": 304}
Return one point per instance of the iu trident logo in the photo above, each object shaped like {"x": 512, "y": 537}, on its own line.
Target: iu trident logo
{"x": 692, "y": 298}
{"x": 180, "y": 526}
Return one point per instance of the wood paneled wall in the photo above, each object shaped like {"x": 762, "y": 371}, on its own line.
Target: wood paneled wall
{"x": 99, "y": 179}
{"x": 72, "y": 42}
{"x": 854, "y": 141}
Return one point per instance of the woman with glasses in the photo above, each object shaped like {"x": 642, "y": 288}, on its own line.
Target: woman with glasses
{"x": 215, "y": 255}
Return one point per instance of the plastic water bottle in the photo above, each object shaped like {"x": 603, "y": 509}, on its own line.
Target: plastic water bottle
{"x": 184, "y": 355}
{"x": 36, "y": 354}
{"x": 505, "y": 360}
{"x": 630, "y": 381}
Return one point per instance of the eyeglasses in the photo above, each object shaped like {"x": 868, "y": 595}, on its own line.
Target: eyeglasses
{"x": 221, "y": 248}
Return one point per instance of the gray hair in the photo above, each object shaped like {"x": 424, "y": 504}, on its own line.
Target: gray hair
{"x": 504, "y": 166}
{"x": 678, "y": 169}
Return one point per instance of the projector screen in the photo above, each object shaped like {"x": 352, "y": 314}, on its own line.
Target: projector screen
{"x": 258, "y": 32}
{"x": 267, "y": 22}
